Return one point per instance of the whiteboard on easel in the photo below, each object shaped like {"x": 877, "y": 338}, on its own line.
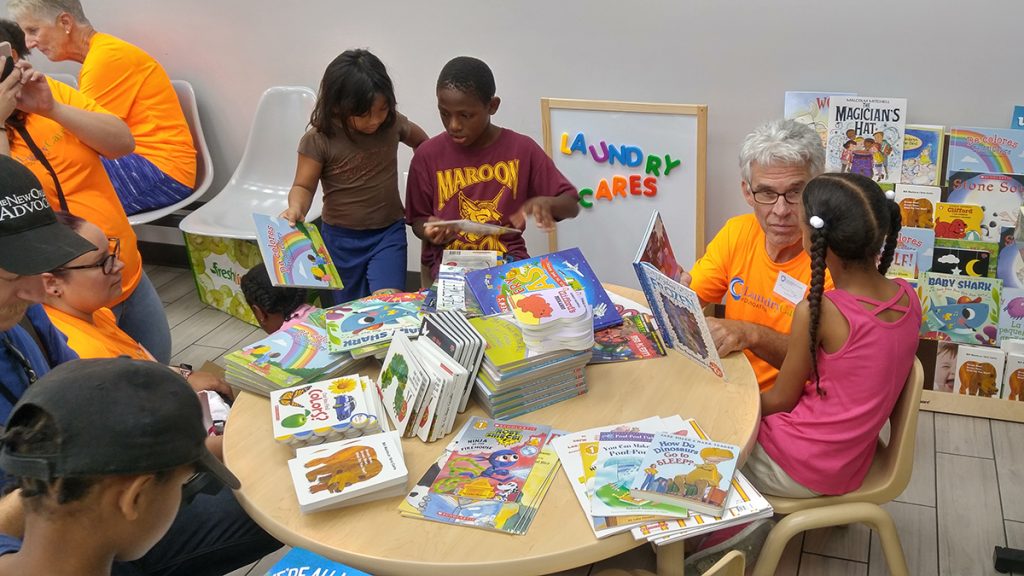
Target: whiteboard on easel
{"x": 628, "y": 159}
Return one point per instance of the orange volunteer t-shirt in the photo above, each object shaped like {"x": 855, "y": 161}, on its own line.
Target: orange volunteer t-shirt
{"x": 101, "y": 339}
{"x": 736, "y": 267}
{"x": 130, "y": 84}
{"x": 87, "y": 188}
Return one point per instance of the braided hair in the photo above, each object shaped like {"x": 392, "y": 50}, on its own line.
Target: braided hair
{"x": 857, "y": 219}
{"x": 258, "y": 291}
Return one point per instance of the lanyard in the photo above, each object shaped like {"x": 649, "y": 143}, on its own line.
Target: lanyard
{"x": 30, "y": 373}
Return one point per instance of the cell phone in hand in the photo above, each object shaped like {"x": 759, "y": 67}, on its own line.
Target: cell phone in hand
{"x": 5, "y": 51}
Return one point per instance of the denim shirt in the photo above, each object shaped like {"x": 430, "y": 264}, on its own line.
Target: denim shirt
{"x": 12, "y": 373}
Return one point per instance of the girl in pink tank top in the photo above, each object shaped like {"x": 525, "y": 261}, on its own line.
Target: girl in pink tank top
{"x": 849, "y": 352}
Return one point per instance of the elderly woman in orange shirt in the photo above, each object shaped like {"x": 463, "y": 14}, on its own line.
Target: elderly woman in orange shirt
{"x": 62, "y": 137}
{"x": 129, "y": 83}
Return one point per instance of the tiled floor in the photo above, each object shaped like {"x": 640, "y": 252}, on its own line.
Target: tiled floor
{"x": 965, "y": 497}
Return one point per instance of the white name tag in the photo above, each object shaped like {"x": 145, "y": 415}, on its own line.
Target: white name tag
{"x": 790, "y": 288}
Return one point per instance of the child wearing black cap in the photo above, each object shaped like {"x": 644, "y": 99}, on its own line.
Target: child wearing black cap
{"x": 103, "y": 451}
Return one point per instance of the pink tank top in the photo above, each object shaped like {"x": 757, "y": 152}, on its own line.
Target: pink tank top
{"x": 826, "y": 443}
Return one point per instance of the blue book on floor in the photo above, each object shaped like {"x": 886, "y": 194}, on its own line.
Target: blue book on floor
{"x": 299, "y": 562}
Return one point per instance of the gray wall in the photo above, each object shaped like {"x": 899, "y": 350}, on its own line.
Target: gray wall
{"x": 957, "y": 63}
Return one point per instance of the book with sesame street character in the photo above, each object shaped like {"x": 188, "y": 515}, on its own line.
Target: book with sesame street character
{"x": 961, "y": 309}
{"x": 295, "y": 255}
{"x": 491, "y": 288}
{"x": 481, "y": 483}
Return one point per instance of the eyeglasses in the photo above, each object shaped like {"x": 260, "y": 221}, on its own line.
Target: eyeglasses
{"x": 771, "y": 197}
{"x": 107, "y": 263}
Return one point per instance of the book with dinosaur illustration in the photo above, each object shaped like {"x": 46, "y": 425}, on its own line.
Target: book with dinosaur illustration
{"x": 922, "y": 154}
{"x": 961, "y": 309}
{"x": 866, "y": 136}
{"x": 490, "y": 288}
{"x": 371, "y": 320}
{"x": 295, "y": 255}
{"x": 979, "y": 371}
{"x": 680, "y": 318}
{"x": 348, "y": 471}
{"x": 323, "y": 411}
{"x": 299, "y": 561}
{"x": 686, "y": 471}
{"x": 811, "y": 108}
{"x": 481, "y": 482}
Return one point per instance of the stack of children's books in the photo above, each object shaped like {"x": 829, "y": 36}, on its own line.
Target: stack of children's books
{"x": 286, "y": 358}
{"x": 657, "y": 470}
{"x": 295, "y": 255}
{"x": 515, "y": 379}
{"x": 335, "y": 409}
{"x": 348, "y": 472}
{"x": 453, "y": 334}
{"x": 422, "y": 387}
{"x": 493, "y": 475}
{"x": 364, "y": 327}
{"x": 554, "y": 319}
{"x": 677, "y": 310}
{"x": 636, "y": 339}
{"x": 450, "y": 288}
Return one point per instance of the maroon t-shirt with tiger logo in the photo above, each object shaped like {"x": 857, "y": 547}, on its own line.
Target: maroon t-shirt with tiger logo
{"x": 487, "y": 185}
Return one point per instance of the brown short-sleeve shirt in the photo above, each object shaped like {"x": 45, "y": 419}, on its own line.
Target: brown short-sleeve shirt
{"x": 359, "y": 174}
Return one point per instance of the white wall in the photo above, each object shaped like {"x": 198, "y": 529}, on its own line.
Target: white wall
{"x": 956, "y": 63}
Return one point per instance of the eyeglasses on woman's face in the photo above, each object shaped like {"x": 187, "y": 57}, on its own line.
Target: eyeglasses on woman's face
{"x": 107, "y": 263}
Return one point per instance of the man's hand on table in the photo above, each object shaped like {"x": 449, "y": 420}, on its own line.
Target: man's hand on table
{"x": 729, "y": 335}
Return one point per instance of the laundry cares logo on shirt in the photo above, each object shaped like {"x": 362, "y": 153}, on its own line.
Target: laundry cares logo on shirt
{"x": 18, "y": 205}
{"x": 739, "y": 291}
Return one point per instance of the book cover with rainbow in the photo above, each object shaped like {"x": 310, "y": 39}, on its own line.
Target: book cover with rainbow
{"x": 291, "y": 356}
{"x": 989, "y": 150}
{"x": 295, "y": 255}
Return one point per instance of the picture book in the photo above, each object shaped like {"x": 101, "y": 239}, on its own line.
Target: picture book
{"x": 619, "y": 458}
{"x": 301, "y": 562}
{"x": 945, "y": 367}
{"x": 1013, "y": 378}
{"x": 477, "y": 228}
{"x": 960, "y": 309}
{"x": 657, "y": 251}
{"x": 866, "y": 136}
{"x": 914, "y": 250}
{"x": 959, "y": 221}
{"x": 922, "y": 155}
{"x": 319, "y": 411}
{"x": 451, "y": 277}
{"x": 484, "y": 477}
{"x": 680, "y": 318}
{"x": 295, "y": 255}
{"x": 965, "y": 257}
{"x": 1011, "y": 314}
{"x": 492, "y": 287}
{"x": 999, "y": 194}
{"x": 635, "y": 339}
{"x": 811, "y": 108}
{"x": 688, "y": 472}
{"x": 369, "y": 321}
{"x": 917, "y": 204}
{"x": 743, "y": 504}
{"x": 348, "y": 471}
{"x": 401, "y": 382}
{"x": 990, "y": 150}
{"x": 979, "y": 371}
{"x": 551, "y": 306}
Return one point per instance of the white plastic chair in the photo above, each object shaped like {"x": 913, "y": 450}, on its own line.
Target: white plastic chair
{"x": 69, "y": 79}
{"x": 266, "y": 172}
{"x": 204, "y": 164}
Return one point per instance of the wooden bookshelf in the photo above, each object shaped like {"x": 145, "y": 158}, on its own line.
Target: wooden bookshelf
{"x": 996, "y": 408}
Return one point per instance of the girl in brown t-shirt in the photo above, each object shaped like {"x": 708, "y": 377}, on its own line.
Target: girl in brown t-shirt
{"x": 351, "y": 149}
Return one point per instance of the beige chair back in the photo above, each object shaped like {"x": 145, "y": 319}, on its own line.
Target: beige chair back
{"x": 893, "y": 463}
{"x": 732, "y": 564}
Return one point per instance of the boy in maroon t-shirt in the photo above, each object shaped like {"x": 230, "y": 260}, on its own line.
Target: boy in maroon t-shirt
{"x": 478, "y": 171}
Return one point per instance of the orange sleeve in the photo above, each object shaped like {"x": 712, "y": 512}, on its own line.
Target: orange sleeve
{"x": 710, "y": 273}
{"x": 115, "y": 80}
{"x": 67, "y": 95}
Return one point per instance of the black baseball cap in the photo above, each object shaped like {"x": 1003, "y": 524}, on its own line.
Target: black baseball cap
{"x": 115, "y": 416}
{"x": 31, "y": 239}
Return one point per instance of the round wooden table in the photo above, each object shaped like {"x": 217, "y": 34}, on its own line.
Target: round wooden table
{"x": 374, "y": 537}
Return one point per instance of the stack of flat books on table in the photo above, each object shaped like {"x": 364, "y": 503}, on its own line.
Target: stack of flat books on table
{"x": 451, "y": 276}
{"x": 348, "y": 472}
{"x": 286, "y": 358}
{"x": 554, "y": 319}
{"x": 335, "y": 409}
{"x": 493, "y": 475}
{"x": 515, "y": 380}
{"x": 365, "y": 327}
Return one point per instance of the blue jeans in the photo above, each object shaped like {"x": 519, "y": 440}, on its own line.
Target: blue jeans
{"x": 142, "y": 317}
{"x": 368, "y": 260}
{"x": 141, "y": 186}
{"x": 210, "y": 537}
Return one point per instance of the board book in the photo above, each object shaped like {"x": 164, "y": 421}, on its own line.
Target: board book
{"x": 369, "y": 321}
{"x": 979, "y": 371}
{"x": 991, "y": 150}
{"x": 491, "y": 287}
{"x": 960, "y": 309}
{"x": 322, "y": 411}
{"x": 295, "y": 255}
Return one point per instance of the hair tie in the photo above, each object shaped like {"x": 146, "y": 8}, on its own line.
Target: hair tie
{"x": 891, "y": 195}
{"x": 816, "y": 222}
